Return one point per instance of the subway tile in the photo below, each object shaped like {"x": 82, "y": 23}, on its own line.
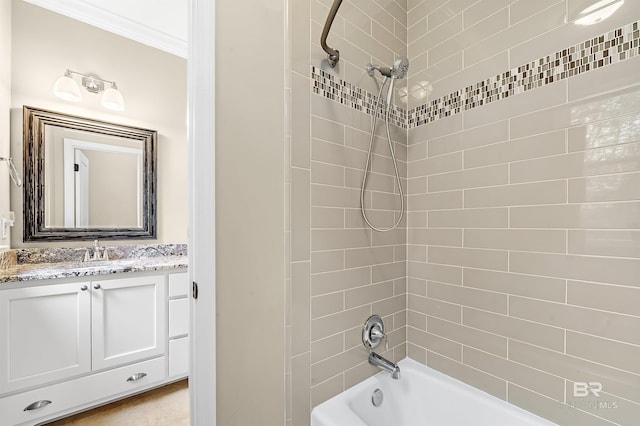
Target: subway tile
{"x": 325, "y": 261}
{"x": 354, "y": 15}
{"x": 300, "y": 388}
{"x": 332, "y": 239}
{"x": 605, "y": 405}
{"x": 517, "y": 284}
{"x": 616, "y": 381}
{"x": 436, "y": 308}
{"x": 416, "y": 219}
{"x": 300, "y": 126}
{"x": 618, "y": 243}
{"x": 430, "y": 271}
{"x": 327, "y": 304}
{"x": 598, "y": 134}
{"x": 477, "y": 35}
{"x": 584, "y": 268}
{"x": 473, "y": 178}
{"x": 327, "y": 217}
{"x": 353, "y": 217}
{"x": 448, "y": 10}
{"x": 578, "y": 216}
{"x": 575, "y": 113}
{"x": 332, "y": 324}
{"x": 541, "y": 240}
{"x": 473, "y": 258}
{"x": 550, "y": 192}
{"x": 333, "y": 196}
{"x": 367, "y": 43}
{"x": 435, "y": 201}
{"x": 514, "y": 328}
{"x": 619, "y": 187}
{"x": 603, "y": 79}
{"x": 358, "y": 374}
{"x": 326, "y": 348}
{"x": 387, "y": 37}
{"x": 437, "y": 344}
{"x": 327, "y": 130}
{"x": 522, "y": 31}
{"x": 521, "y": 10}
{"x": 607, "y": 352}
{"x": 522, "y": 375}
{"x": 610, "y": 325}
{"x": 388, "y": 271}
{"x": 436, "y": 237}
{"x": 483, "y": 9}
{"x": 300, "y": 307}
{"x": 367, "y": 256}
{"x": 476, "y": 378}
{"x": 338, "y": 155}
{"x": 434, "y": 37}
{"x": 390, "y": 306}
{"x": 469, "y": 218}
{"x": 616, "y": 159}
{"x": 375, "y": 181}
{"x": 416, "y": 286}
{"x": 416, "y": 185}
{"x": 300, "y": 214}
{"x": 326, "y": 390}
{"x": 327, "y": 174}
{"x": 523, "y": 105}
{"x": 435, "y": 165}
{"x": 605, "y": 297}
{"x": 394, "y": 237}
{"x": 435, "y": 129}
{"x": 551, "y": 409}
{"x": 425, "y": 81}
{"x": 417, "y": 353}
{"x": 479, "y": 136}
{"x": 542, "y": 145}
{"x": 329, "y": 282}
{"x": 368, "y": 294}
{"x": 337, "y": 364}
{"x": 478, "y": 339}
{"x": 481, "y": 299}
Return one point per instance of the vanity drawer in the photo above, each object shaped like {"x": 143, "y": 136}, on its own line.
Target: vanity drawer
{"x": 179, "y": 357}
{"x": 178, "y": 317}
{"x": 80, "y": 393}
{"x": 179, "y": 284}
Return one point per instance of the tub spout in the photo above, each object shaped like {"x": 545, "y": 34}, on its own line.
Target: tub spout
{"x": 384, "y": 364}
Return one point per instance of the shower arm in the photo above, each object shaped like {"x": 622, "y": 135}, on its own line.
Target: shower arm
{"x": 334, "y": 55}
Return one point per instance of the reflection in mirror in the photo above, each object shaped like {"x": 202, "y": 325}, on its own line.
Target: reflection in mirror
{"x": 87, "y": 179}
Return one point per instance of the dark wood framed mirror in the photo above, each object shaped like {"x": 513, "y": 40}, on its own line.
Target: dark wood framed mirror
{"x": 87, "y": 179}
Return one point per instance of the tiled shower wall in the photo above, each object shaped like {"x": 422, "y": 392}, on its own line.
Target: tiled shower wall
{"x": 341, "y": 271}
{"x": 523, "y": 234}
{"x": 524, "y": 219}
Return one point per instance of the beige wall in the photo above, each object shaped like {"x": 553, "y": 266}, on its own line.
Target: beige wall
{"x": 341, "y": 271}
{"x": 152, "y": 82}
{"x": 5, "y": 105}
{"x": 250, "y": 212}
{"x": 524, "y": 229}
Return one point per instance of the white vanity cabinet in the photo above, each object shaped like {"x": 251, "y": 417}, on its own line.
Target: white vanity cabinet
{"x": 69, "y": 346}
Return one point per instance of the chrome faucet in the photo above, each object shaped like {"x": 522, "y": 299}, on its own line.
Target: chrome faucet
{"x": 96, "y": 253}
{"x": 384, "y": 364}
{"x": 372, "y": 334}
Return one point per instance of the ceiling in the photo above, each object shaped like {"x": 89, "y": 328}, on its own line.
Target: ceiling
{"x": 158, "y": 23}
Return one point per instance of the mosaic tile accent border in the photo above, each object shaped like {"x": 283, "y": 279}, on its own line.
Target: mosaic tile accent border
{"x": 336, "y": 89}
{"x": 615, "y": 46}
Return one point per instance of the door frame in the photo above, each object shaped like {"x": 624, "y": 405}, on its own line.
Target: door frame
{"x": 202, "y": 267}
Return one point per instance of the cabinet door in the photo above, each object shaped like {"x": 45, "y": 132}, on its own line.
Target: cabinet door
{"x": 128, "y": 320}
{"x": 44, "y": 334}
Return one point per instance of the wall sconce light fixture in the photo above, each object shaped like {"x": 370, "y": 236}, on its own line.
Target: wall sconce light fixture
{"x": 67, "y": 88}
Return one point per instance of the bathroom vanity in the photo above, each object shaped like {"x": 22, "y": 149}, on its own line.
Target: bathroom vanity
{"x": 74, "y": 336}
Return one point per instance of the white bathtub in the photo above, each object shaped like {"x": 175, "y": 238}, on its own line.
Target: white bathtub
{"x": 422, "y": 397}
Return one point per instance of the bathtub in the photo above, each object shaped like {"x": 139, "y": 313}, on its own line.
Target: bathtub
{"x": 421, "y": 397}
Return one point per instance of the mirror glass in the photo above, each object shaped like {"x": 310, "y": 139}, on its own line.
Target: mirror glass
{"x": 87, "y": 179}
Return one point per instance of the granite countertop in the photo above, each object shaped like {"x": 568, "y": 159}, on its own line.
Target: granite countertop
{"x": 44, "y": 264}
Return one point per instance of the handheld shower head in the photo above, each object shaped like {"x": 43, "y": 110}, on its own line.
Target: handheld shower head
{"x": 400, "y": 68}
{"x": 398, "y": 71}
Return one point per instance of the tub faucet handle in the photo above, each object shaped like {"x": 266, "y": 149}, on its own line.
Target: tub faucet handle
{"x": 373, "y": 332}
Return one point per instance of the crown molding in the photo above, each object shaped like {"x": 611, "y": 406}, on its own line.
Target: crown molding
{"x": 117, "y": 24}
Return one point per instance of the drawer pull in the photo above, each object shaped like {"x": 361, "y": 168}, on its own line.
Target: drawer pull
{"x": 36, "y": 405}
{"x": 136, "y": 377}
